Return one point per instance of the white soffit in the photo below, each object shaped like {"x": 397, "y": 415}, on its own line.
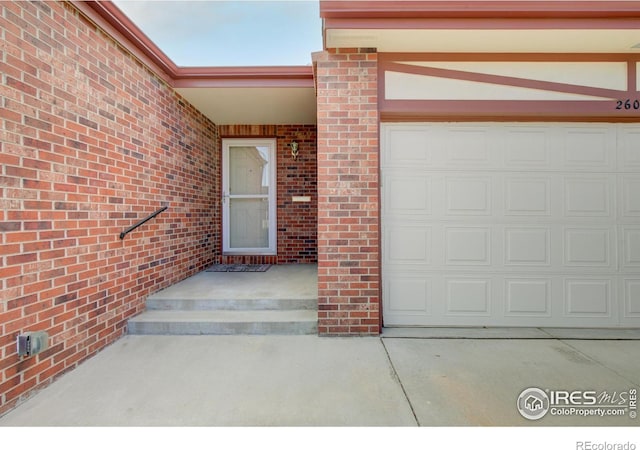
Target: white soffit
{"x": 487, "y": 41}
{"x": 254, "y": 106}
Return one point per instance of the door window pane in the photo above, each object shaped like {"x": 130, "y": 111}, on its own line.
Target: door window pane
{"x": 249, "y": 171}
{"x": 250, "y": 222}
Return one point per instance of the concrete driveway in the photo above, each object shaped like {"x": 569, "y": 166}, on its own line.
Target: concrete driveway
{"x": 309, "y": 380}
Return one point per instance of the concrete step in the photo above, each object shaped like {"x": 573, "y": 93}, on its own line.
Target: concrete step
{"x": 207, "y": 304}
{"x": 224, "y": 322}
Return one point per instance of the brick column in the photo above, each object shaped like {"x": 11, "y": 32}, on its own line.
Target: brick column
{"x": 348, "y": 194}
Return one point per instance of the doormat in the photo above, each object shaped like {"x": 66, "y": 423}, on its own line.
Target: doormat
{"x": 239, "y": 268}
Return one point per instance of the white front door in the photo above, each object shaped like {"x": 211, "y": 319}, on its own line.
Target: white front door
{"x": 249, "y": 196}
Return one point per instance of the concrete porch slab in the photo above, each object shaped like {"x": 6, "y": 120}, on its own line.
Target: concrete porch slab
{"x": 283, "y": 300}
{"x": 286, "y": 281}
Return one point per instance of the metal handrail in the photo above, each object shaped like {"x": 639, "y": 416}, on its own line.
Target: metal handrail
{"x": 133, "y": 227}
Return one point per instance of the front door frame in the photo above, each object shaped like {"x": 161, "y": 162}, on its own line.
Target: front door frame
{"x": 271, "y": 144}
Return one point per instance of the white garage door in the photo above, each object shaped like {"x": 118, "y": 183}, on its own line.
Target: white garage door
{"x": 494, "y": 224}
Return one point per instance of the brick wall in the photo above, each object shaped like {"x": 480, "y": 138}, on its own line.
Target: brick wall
{"x": 348, "y": 192}
{"x": 297, "y": 222}
{"x": 90, "y": 142}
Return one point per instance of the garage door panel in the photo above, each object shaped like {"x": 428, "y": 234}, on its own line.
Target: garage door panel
{"x": 406, "y": 244}
{"x": 590, "y": 147}
{"x": 408, "y": 194}
{"x": 554, "y": 301}
{"x": 588, "y": 297}
{"x": 630, "y": 197}
{"x": 408, "y": 145}
{"x": 507, "y": 248}
{"x": 592, "y": 247}
{"x": 589, "y": 196}
{"x": 468, "y": 245}
{"x": 468, "y": 296}
{"x": 632, "y": 297}
{"x": 511, "y": 225}
{"x": 528, "y": 297}
{"x": 412, "y": 295}
{"x": 466, "y": 146}
{"x": 527, "y": 196}
{"x": 629, "y": 149}
{"x": 468, "y": 196}
{"x": 631, "y": 248}
{"x": 525, "y": 148}
{"x": 527, "y": 246}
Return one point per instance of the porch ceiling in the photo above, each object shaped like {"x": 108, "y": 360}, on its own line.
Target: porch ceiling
{"x": 250, "y": 95}
{"x": 254, "y": 105}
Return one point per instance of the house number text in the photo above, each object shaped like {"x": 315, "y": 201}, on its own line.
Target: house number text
{"x": 628, "y": 104}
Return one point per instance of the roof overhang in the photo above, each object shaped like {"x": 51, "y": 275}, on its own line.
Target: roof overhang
{"x": 478, "y": 26}
{"x": 250, "y": 95}
{"x": 226, "y": 95}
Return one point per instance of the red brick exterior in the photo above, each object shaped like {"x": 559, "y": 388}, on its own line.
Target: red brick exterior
{"x": 297, "y": 222}
{"x": 348, "y": 193}
{"x": 91, "y": 142}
